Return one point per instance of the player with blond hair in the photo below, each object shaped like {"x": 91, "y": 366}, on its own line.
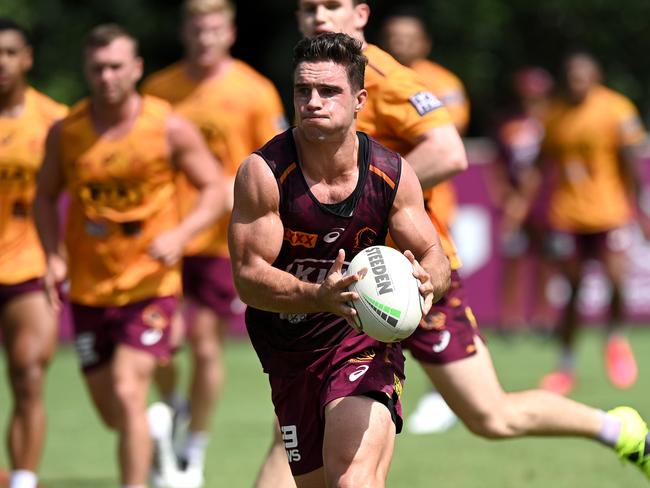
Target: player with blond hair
{"x": 237, "y": 110}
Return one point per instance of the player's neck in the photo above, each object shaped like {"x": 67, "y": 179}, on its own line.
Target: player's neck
{"x": 200, "y": 73}
{"x": 115, "y": 120}
{"x": 12, "y": 104}
{"x": 327, "y": 159}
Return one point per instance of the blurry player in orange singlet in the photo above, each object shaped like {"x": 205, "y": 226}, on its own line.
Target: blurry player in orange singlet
{"x": 405, "y": 36}
{"x": 592, "y": 139}
{"x": 118, "y": 155}
{"x": 451, "y": 351}
{"x": 27, "y": 321}
{"x": 237, "y": 110}
{"x": 518, "y": 135}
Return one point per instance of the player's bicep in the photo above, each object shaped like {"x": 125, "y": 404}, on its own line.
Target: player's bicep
{"x": 190, "y": 153}
{"x": 409, "y": 225}
{"x": 256, "y": 231}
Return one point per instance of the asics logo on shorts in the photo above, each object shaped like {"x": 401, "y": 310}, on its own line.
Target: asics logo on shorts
{"x": 358, "y": 373}
{"x": 151, "y": 337}
{"x": 445, "y": 338}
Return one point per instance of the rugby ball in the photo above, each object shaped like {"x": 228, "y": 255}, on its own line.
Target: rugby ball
{"x": 389, "y": 307}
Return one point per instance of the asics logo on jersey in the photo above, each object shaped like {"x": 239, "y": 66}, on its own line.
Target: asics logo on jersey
{"x": 445, "y": 338}
{"x": 358, "y": 373}
{"x": 332, "y": 236}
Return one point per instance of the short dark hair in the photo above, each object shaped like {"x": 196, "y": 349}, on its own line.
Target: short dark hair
{"x": 103, "y": 34}
{"x": 339, "y": 48}
{"x": 7, "y": 24}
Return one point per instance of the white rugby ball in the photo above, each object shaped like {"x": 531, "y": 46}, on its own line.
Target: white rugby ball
{"x": 389, "y": 307}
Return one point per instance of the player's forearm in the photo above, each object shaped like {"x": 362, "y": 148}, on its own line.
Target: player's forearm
{"x": 437, "y": 265}
{"x": 210, "y": 205}
{"x": 46, "y": 218}
{"x": 434, "y": 161}
{"x": 267, "y": 288}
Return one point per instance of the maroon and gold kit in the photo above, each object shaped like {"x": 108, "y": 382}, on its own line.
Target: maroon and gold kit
{"x": 22, "y": 144}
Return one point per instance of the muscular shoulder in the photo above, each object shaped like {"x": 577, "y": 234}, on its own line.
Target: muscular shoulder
{"x": 256, "y": 185}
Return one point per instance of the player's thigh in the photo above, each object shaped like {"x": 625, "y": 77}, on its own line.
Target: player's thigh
{"x": 616, "y": 266}
{"x": 470, "y": 386}
{"x": 29, "y": 327}
{"x": 359, "y": 434}
{"x": 315, "y": 479}
{"x": 99, "y": 383}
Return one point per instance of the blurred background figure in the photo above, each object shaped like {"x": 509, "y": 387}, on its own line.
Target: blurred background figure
{"x": 518, "y": 137}
{"x": 27, "y": 320}
{"x": 237, "y": 110}
{"x": 405, "y": 36}
{"x": 592, "y": 138}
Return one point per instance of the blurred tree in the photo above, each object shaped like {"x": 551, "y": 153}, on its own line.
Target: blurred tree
{"x": 483, "y": 41}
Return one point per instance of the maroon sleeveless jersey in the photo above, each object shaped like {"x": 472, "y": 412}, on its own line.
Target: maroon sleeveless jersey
{"x": 313, "y": 234}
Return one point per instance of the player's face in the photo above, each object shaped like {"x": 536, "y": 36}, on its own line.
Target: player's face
{"x": 15, "y": 60}
{"x": 208, "y": 38}
{"x": 581, "y": 74}
{"x": 406, "y": 40}
{"x": 319, "y": 16}
{"x": 323, "y": 99}
{"x": 112, "y": 71}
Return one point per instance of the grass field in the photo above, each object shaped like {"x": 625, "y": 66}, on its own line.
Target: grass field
{"x": 80, "y": 452}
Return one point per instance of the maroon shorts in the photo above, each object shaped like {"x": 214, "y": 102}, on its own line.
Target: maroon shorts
{"x": 359, "y": 366}
{"x": 142, "y": 325}
{"x": 10, "y": 292}
{"x": 207, "y": 280}
{"x": 575, "y": 246}
{"x": 450, "y": 329}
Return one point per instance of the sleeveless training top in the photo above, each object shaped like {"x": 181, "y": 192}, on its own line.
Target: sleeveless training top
{"x": 123, "y": 195}
{"x": 313, "y": 234}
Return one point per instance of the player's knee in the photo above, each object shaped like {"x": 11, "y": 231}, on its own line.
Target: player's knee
{"x": 129, "y": 396}
{"x": 27, "y": 382}
{"x": 489, "y": 424}
{"x": 355, "y": 477}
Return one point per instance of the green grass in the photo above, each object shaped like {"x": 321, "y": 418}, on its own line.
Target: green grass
{"x": 80, "y": 452}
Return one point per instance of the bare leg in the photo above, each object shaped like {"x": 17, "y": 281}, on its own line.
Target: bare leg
{"x": 119, "y": 391}
{"x": 472, "y": 389}
{"x": 29, "y": 328}
{"x": 275, "y": 472}
{"x": 358, "y": 443}
{"x": 205, "y": 338}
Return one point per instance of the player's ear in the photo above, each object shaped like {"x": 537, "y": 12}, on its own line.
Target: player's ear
{"x": 362, "y": 96}
{"x": 361, "y": 15}
{"x": 139, "y": 69}
{"x": 28, "y": 59}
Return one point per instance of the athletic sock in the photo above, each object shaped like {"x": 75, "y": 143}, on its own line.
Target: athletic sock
{"x": 611, "y": 430}
{"x": 194, "y": 451}
{"x": 21, "y": 478}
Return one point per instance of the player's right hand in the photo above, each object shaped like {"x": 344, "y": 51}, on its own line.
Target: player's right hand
{"x": 333, "y": 295}
{"x": 57, "y": 272}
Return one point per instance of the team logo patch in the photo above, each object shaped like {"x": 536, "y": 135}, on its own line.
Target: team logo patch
{"x": 425, "y": 102}
{"x": 365, "y": 238}
{"x": 296, "y": 238}
{"x": 441, "y": 345}
{"x": 436, "y": 320}
{"x": 153, "y": 317}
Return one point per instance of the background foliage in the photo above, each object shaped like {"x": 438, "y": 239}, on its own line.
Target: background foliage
{"x": 482, "y": 40}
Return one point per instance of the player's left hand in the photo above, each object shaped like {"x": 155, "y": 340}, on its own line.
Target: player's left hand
{"x": 426, "y": 287}
{"x": 167, "y": 247}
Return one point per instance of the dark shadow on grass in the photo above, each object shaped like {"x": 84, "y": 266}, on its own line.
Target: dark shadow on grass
{"x": 85, "y": 482}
